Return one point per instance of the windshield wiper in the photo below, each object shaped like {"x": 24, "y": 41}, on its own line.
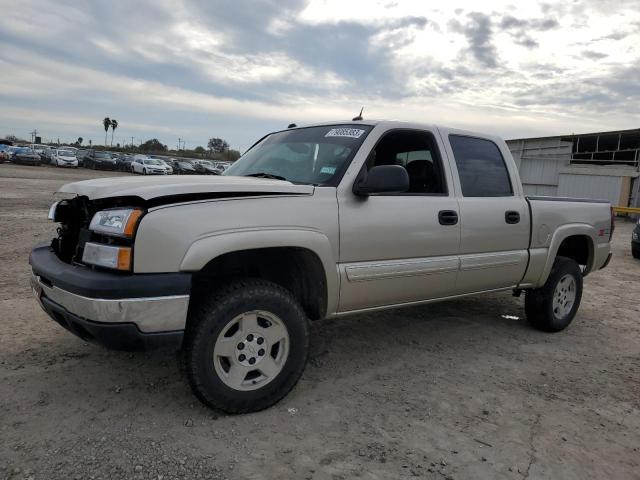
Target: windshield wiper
{"x": 266, "y": 175}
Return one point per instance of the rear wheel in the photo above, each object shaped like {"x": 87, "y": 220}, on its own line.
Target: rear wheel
{"x": 246, "y": 346}
{"x": 552, "y": 307}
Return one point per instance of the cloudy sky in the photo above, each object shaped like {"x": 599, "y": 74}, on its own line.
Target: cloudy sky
{"x": 237, "y": 69}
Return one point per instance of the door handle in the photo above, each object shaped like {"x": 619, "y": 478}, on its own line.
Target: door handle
{"x": 512, "y": 217}
{"x": 448, "y": 217}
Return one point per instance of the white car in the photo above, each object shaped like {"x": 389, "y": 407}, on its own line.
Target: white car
{"x": 64, "y": 157}
{"x": 166, "y": 164}
{"x": 150, "y": 166}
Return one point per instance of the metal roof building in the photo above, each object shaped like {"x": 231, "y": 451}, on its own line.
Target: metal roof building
{"x": 601, "y": 165}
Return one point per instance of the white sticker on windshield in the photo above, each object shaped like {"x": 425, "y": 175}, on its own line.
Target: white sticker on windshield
{"x": 329, "y": 170}
{"x": 345, "y": 132}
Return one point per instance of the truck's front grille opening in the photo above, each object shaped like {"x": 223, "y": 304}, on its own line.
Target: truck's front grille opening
{"x": 74, "y": 216}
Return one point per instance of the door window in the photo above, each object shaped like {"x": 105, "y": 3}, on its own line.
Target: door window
{"x": 416, "y": 151}
{"x": 481, "y": 167}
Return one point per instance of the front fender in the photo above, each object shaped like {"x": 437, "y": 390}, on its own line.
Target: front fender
{"x": 209, "y": 247}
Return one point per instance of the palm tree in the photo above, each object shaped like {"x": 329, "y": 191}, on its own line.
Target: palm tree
{"x": 107, "y": 123}
{"x": 114, "y": 125}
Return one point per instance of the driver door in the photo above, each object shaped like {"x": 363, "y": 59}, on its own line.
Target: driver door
{"x": 399, "y": 248}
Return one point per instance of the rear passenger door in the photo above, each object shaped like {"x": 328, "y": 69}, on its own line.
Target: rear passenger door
{"x": 494, "y": 216}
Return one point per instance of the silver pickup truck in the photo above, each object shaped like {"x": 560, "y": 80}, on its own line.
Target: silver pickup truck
{"x": 312, "y": 222}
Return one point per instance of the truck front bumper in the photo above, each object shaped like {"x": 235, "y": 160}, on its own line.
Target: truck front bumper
{"x": 122, "y": 312}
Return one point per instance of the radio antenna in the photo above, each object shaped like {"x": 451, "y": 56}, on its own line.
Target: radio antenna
{"x": 359, "y": 117}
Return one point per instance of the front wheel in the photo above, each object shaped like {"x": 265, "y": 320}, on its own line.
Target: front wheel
{"x": 246, "y": 346}
{"x": 635, "y": 251}
{"x": 552, "y": 307}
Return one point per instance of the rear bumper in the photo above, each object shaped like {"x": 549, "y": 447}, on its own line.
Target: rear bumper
{"x": 123, "y": 312}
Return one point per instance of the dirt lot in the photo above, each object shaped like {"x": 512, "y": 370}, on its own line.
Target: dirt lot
{"x": 456, "y": 390}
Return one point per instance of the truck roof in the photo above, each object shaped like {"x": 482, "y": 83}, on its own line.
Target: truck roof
{"x": 390, "y": 124}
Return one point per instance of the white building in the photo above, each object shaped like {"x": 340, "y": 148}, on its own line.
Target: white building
{"x": 603, "y": 165}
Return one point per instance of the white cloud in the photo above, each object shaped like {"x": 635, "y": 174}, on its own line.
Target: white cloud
{"x": 175, "y": 68}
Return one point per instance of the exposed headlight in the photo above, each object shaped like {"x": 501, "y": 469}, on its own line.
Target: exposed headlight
{"x": 120, "y": 222}
{"x": 118, "y": 258}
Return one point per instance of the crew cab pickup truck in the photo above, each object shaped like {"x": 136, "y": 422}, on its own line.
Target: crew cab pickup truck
{"x": 311, "y": 222}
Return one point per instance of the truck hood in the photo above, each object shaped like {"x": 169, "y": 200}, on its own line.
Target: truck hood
{"x": 149, "y": 188}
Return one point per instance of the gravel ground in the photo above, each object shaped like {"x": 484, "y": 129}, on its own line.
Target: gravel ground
{"x": 458, "y": 390}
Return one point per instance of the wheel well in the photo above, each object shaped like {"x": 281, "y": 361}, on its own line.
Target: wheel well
{"x": 297, "y": 269}
{"x": 578, "y": 248}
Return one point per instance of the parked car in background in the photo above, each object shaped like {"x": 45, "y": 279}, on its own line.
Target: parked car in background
{"x": 149, "y": 166}
{"x": 205, "y": 167}
{"x": 80, "y": 154}
{"x": 167, "y": 164}
{"x": 63, "y": 157}
{"x": 99, "y": 160}
{"x": 26, "y": 156}
{"x": 221, "y": 166}
{"x": 5, "y": 152}
{"x": 38, "y": 149}
{"x": 123, "y": 163}
{"x": 48, "y": 154}
{"x": 182, "y": 167}
{"x": 635, "y": 241}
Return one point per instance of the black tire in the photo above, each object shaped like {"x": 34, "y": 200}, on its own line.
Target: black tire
{"x": 635, "y": 251}
{"x": 539, "y": 302}
{"x": 208, "y": 319}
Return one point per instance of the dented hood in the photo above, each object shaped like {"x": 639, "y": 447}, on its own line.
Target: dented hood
{"x": 150, "y": 187}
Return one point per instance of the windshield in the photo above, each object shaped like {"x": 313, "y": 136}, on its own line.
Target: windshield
{"x": 66, "y": 153}
{"x": 313, "y": 155}
{"x": 103, "y": 155}
{"x": 151, "y": 161}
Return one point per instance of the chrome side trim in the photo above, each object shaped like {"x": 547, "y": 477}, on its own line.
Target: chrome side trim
{"x": 365, "y": 271}
{"x": 490, "y": 260}
{"x": 150, "y": 314}
{"x": 418, "y": 302}
{"x": 379, "y": 270}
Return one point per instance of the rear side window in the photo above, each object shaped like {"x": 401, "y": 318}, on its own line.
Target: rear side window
{"x": 481, "y": 167}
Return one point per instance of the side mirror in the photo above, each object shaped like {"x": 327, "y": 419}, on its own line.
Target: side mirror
{"x": 383, "y": 179}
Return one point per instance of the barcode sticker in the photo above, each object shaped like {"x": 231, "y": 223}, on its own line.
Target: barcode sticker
{"x": 345, "y": 132}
